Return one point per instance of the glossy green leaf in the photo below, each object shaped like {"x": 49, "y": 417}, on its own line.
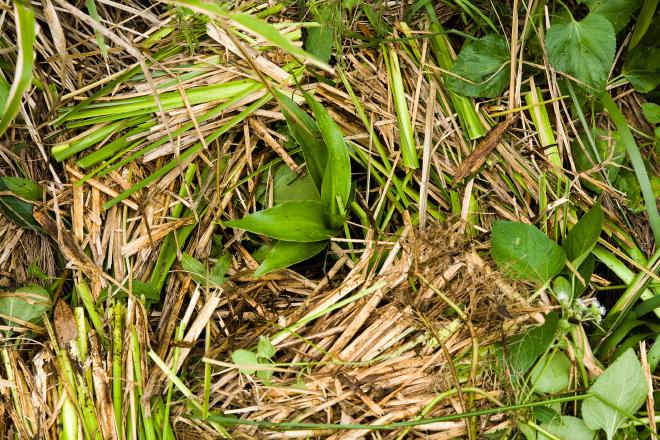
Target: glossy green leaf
{"x": 618, "y": 12}
{"x": 583, "y": 237}
{"x": 303, "y": 221}
{"x": 286, "y": 253}
{"x": 642, "y": 68}
{"x": 521, "y": 251}
{"x": 245, "y": 359}
{"x": 651, "y": 112}
{"x": 26, "y": 29}
{"x": 583, "y": 49}
{"x": 552, "y": 373}
{"x": 336, "y": 187}
{"x": 22, "y": 187}
{"x": 306, "y": 133}
{"x": 568, "y": 427}
{"x": 27, "y": 303}
{"x": 521, "y": 351}
{"x": 622, "y": 385}
{"x": 481, "y": 68}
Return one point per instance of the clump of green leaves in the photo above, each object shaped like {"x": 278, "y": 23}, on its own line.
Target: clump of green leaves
{"x": 248, "y": 361}
{"x": 303, "y": 227}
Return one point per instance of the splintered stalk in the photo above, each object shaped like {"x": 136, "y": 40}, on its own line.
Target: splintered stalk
{"x": 406, "y": 135}
{"x": 542, "y": 123}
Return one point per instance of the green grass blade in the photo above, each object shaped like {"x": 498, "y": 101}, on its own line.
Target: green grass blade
{"x": 26, "y": 30}
{"x": 91, "y": 8}
{"x": 637, "y": 163}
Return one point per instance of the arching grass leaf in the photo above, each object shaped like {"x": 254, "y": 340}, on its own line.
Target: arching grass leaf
{"x": 26, "y": 31}
{"x": 303, "y": 221}
{"x": 583, "y": 49}
{"x": 484, "y": 64}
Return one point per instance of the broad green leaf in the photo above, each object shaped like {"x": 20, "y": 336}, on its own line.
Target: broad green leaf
{"x": 319, "y": 41}
{"x": 26, "y": 30}
{"x": 200, "y": 273}
{"x": 286, "y": 253}
{"x": 22, "y": 187}
{"x": 303, "y": 221}
{"x": 521, "y": 351}
{"x": 618, "y": 12}
{"x": 307, "y": 134}
{"x": 552, "y": 373}
{"x": 583, "y": 237}
{"x": 651, "y": 112}
{"x": 567, "y": 427}
{"x": 264, "y": 348}
{"x": 622, "y": 385}
{"x": 583, "y": 49}
{"x": 483, "y": 65}
{"x": 245, "y": 359}
{"x": 140, "y": 288}
{"x": 289, "y": 186}
{"x": 522, "y": 251}
{"x": 628, "y": 184}
{"x": 27, "y": 303}
{"x": 336, "y": 187}
{"x": 642, "y": 68}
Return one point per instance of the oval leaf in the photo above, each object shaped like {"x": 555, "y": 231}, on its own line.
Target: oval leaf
{"x": 522, "y": 251}
{"x": 623, "y": 386}
{"x": 569, "y": 428}
{"x": 245, "y": 359}
{"x": 583, "y": 49}
{"x": 302, "y": 221}
{"x": 552, "y": 374}
{"x": 287, "y": 253}
{"x": 583, "y": 237}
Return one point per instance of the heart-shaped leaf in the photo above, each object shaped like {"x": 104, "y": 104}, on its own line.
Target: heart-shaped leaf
{"x": 583, "y": 49}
